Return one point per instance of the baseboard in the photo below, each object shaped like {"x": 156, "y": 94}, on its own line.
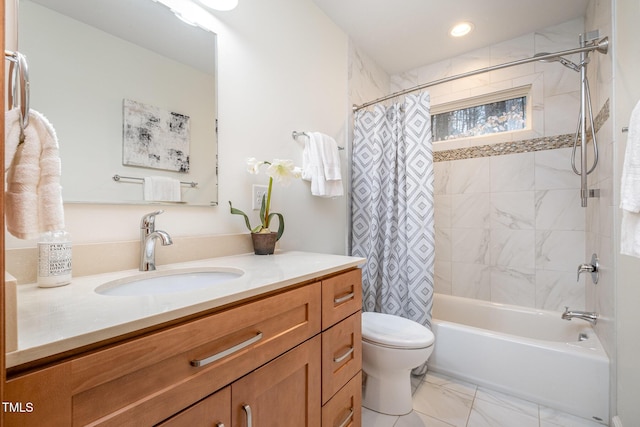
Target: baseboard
{"x": 616, "y": 422}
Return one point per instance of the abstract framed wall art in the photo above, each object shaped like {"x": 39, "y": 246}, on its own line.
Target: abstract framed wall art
{"x": 155, "y": 138}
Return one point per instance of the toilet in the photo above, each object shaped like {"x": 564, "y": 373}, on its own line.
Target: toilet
{"x": 391, "y": 347}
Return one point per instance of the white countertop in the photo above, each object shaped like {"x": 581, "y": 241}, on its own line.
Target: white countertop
{"x": 53, "y": 320}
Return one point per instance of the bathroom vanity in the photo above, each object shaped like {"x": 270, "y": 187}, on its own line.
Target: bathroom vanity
{"x": 277, "y": 349}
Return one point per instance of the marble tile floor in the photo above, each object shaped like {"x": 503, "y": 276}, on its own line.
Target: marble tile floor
{"x": 441, "y": 401}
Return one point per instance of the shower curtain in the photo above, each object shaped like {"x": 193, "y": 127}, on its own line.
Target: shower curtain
{"x": 392, "y": 221}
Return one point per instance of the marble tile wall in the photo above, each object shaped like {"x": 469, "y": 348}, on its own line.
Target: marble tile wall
{"x": 510, "y": 229}
{"x": 366, "y": 79}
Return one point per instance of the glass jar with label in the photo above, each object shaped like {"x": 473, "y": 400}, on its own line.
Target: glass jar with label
{"x": 54, "y": 259}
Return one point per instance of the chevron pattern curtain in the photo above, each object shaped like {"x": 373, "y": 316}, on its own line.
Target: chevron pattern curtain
{"x": 393, "y": 208}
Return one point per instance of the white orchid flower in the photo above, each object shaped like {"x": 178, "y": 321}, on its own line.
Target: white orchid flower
{"x": 282, "y": 171}
{"x": 253, "y": 165}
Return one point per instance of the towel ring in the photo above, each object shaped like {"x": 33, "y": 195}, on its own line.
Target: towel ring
{"x": 19, "y": 78}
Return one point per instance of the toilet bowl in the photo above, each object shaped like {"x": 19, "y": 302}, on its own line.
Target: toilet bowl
{"x": 391, "y": 347}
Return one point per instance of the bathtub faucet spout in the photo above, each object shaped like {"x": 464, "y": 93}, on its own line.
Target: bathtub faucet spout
{"x": 590, "y": 317}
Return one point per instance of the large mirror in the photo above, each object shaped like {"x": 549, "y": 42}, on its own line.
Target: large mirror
{"x": 116, "y": 78}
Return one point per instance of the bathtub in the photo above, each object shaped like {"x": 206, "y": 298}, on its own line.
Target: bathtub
{"x": 529, "y": 353}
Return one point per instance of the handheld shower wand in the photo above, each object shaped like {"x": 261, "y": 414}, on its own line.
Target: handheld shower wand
{"x": 586, "y": 107}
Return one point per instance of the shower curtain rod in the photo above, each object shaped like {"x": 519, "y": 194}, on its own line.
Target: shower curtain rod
{"x": 601, "y": 46}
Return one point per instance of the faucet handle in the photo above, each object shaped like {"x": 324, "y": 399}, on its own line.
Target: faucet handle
{"x": 148, "y": 221}
{"x": 592, "y": 268}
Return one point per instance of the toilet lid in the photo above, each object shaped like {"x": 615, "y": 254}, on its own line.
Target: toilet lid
{"x": 394, "y": 331}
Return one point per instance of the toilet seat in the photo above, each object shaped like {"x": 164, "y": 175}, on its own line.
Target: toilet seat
{"x": 392, "y": 331}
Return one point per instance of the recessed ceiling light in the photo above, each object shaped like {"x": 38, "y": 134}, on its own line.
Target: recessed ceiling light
{"x": 461, "y": 29}
{"x": 220, "y": 4}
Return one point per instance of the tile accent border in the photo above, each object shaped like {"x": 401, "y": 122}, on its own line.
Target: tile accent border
{"x": 514, "y": 147}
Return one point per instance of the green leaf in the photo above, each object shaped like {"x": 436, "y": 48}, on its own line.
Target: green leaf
{"x": 280, "y": 224}
{"x": 263, "y": 209}
{"x": 235, "y": 211}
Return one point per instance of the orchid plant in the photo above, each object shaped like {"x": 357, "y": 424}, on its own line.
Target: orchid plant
{"x": 280, "y": 171}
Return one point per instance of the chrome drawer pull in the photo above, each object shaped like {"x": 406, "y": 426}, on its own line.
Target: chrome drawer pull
{"x": 340, "y": 300}
{"x": 344, "y": 356}
{"x": 347, "y": 420}
{"x": 225, "y": 353}
{"x": 219, "y": 425}
{"x": 247, "y": 411}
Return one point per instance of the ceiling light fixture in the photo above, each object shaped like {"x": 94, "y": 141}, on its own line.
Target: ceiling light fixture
{"x": 461, "y": 29}
{"x": 191, "y": 13}
{"x": 222, "y": 5}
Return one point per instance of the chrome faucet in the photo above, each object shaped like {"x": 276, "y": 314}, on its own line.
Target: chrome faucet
{"x": 590, "y": 317}
{"x": 148, "y": 236}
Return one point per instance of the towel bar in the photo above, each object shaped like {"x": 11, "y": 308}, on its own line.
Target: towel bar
{"x": 117, "y": 177}
{"x": 295, "y": 134}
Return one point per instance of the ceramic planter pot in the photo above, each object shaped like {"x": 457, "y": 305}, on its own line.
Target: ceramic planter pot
{"x": 264, "y": 243}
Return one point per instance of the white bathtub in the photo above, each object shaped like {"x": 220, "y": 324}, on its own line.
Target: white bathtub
{"x": 532, "y": 354}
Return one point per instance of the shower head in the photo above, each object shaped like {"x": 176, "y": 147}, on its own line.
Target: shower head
{"x": 563, "y": 61}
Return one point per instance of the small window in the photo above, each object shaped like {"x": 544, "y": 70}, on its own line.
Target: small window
{"x": 494, "y": 117}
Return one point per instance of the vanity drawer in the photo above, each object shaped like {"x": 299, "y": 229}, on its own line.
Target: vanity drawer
{"x": 149, "y": 379}
{"x": 341, "y": 297}
{"x": 345, "y": 408}
{"x": 213, "y": 411}
{"x": 341, "y": 354}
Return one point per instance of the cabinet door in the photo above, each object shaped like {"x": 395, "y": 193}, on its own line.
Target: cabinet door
{"x": 283, "y": 393}
{"x": 214, "y": 411}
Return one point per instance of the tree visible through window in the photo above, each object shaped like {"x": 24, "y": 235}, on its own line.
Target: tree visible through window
{"x": 501, "y": 116}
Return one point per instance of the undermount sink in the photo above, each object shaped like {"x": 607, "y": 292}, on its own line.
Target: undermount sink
{"x": 169, "y": 282}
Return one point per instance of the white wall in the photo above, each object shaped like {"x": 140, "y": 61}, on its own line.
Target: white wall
{"x": 282, "y": 67}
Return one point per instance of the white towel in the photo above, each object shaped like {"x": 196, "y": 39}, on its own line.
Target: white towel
{"x": 321, "y": 165}
{"x": 161, "y": 189}
{"x": 630, "y": 189}
{"x": 330, "y": 158}
{"x": 33, "y": 198}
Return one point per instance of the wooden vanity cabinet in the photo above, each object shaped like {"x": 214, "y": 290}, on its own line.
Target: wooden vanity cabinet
{"x": 342, "y": 350}
{"x": 271, "y": 360}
